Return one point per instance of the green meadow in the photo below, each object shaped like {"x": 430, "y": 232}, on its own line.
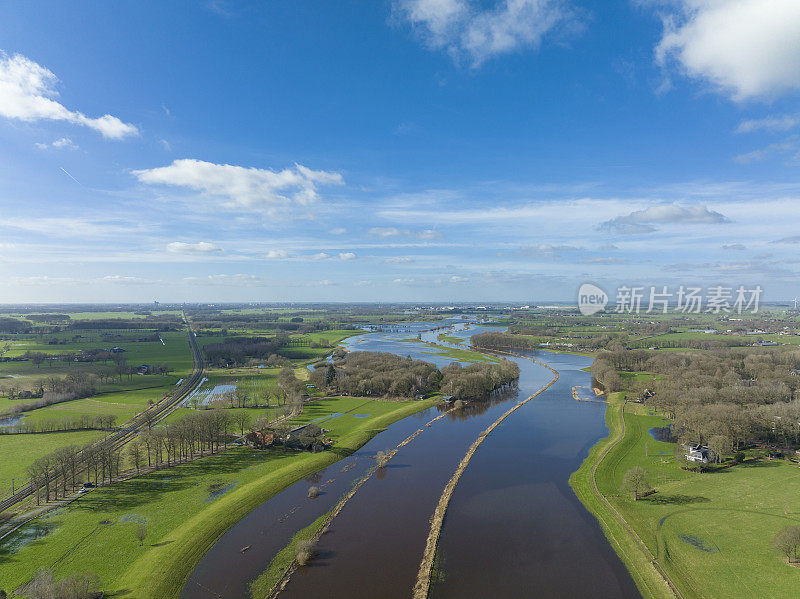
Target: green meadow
{"x": 711, "y": 532}
{"x": 183, "y": 520}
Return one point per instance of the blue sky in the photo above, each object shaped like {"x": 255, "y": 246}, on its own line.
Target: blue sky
{"x": 415, "y": 150}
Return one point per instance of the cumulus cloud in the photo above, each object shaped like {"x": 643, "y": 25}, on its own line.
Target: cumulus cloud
{"x": 59, "y": 144}
{"x": 320, "y": 256}
{"x": 201, "y": 247}
{"x": 241, "y": 187}
{"x": 27, "y": 90}
{"x": 466, "y": 28}
{"x": 770, "y": 123}
{"x": 642, "y": 221}
{"x": 277, "y": 254}
{"x": 748, "y": 48}
{"x": 347, "y": 256}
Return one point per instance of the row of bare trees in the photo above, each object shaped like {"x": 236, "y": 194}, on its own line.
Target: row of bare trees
{"x": 66, "y": 423}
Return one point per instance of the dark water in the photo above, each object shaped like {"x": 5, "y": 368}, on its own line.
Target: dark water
{"x": 225, "y": 571}
{"x": 514, "y": 527}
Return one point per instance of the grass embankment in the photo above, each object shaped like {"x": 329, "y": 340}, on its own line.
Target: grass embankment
{"x": 183, "y": 518}
{"x": 162, "y": 571}
{"x": 710, "y": 532}
{"x": 264, "y": 586}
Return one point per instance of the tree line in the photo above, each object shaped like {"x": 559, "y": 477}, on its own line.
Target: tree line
{"x": 102, "y": 422}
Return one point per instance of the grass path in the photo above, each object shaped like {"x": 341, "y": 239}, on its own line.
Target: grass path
{"x": 648, "y": 574}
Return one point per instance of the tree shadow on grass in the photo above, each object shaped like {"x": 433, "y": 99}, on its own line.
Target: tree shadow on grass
{"x": 151, "y": 487}
{"x": 760, "y": 464}
{"x": 659, "y": 499}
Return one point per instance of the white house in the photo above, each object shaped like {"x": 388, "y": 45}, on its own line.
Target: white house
{"x": 697, "y": 453}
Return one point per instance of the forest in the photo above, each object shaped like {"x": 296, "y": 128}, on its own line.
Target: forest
{"x": 724, "y": 398}
{"x": 379, "y": 374}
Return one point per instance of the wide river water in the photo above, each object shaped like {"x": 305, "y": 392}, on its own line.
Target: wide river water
{"x": 513, "y": 528}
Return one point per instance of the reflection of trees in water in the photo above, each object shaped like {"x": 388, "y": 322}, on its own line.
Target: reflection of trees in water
{"x": 477, "y": 407}
{"x": 316, "y": 477}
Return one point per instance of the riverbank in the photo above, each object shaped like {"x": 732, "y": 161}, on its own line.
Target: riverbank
{"x": 162, "y": 572}
{"x": 621, "y": 536}
{"x": 709, "y": 533}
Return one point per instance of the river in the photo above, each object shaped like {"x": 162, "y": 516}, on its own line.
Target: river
{"x": 513, "y": 528}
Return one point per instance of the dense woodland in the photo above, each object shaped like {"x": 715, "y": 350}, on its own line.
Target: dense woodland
{"x": 723, "y": 398}
{"x": 379, "y": 374}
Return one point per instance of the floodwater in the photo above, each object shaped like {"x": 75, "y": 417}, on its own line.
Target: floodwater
{"x": 226, "y": 571}
{"x": 513, "y": 528}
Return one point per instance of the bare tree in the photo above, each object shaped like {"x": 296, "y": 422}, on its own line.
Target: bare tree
{"x": 141, "y": 533}
{"x": 787, "y": 542}
{"x": 635, "y": 481}
{"x": 242, "y": 420}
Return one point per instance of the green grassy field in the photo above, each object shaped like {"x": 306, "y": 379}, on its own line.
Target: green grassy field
{"x": 17, "y": 452}
{"x": 175, "y": 505}
{"x": 711, "y": 532}
{"x": 461, "y": 355}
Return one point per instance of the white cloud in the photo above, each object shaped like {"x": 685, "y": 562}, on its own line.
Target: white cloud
{"x": 458, "y": 279}
{"x": 124, "y": 280}
{"x": 320, "y": 256}
{"x": 386, "y": 232}
{"x": 770, "y": 123}
{"x": 399, "y": 260}
{"x": 75, "y": 227}
{"x": 465, "y": 28}
{"x": 277, "y": 254}
{"x": 338, "y": 231}
{"x": 61, "y": 143}
{"x": 165, "y": 144}
{"x": 769, "y": 151}
{"x": 429, "y": 234}
{"x": 242, "y": 187}
{"x": 748, "y": 48}
{"x": 347, "y": 256}
{"x": 201, "y": 247}
{"x": 642, "y": 221}
{"x": 238, "y": 280}
{"x": 27, "y": 90}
